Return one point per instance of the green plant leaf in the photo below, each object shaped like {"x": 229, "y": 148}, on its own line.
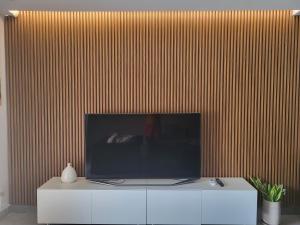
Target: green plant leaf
{"x": 270, "y": 192}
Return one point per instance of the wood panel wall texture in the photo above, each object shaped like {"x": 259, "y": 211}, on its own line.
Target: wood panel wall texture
{"x": 240, "y": 69}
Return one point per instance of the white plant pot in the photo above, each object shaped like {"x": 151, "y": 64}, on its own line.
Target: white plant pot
{"x": 69, "y": 174}
{"x": 271, "y": 212}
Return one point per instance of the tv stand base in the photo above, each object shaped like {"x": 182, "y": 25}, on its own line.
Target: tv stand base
{"x": 144, "y": 182}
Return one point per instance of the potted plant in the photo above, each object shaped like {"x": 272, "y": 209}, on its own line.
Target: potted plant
{"x": 272, "y": 195}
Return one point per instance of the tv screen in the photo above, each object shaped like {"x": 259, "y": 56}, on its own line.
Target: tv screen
{"x": 142, "y": 146}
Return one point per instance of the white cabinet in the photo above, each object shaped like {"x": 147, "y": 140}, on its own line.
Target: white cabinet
{"x": 119, "y": 207}
{"x": 173, "y": 207}
{"x": 229, "y": 207}
{"x": 64, "y": 206}
{"x": 198, "y": 203}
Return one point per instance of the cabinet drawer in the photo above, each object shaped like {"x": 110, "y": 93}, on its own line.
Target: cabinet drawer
{"x": 119, "y": 207}
{"x": 229, "y": 207}
{"x": 173, "y": 207}
{"x": 58, "y": 206}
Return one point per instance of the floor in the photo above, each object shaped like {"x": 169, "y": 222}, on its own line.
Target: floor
{"x": 19, "y": 216}
{"x": 27, "y": 216}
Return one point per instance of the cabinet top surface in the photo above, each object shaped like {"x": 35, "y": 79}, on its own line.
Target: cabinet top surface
{"x": 201, "y": 184}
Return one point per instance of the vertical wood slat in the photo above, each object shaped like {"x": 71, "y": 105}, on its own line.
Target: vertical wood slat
{"x": 239, "y": 69}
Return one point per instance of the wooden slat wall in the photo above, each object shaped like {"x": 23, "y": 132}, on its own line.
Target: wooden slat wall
{"x": 240, "y": 69}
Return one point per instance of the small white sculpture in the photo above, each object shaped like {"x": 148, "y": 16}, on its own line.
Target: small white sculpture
{"x": 69, "y": 174}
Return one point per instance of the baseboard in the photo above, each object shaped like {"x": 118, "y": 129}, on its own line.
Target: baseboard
{"x": 291, "y": 211}
{"x": 22, "y": 208}
{"x": 284, "y": 211}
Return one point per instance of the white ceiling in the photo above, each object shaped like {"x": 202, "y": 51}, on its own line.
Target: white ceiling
{"x": 125, "y": 5}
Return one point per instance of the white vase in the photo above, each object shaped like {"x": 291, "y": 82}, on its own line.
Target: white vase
{"x": 69, "y": 174}
{"x": 271, "y": 212}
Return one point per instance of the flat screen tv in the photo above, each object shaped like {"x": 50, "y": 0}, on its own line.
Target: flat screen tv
{"x": 142, "y": 146}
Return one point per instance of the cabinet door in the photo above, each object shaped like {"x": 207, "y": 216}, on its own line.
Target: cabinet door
{"x": 119, "y": 207}
{"x": 229, "y": 207}
{"x": 58, "y": 206}
{"x": 173, "y": 207}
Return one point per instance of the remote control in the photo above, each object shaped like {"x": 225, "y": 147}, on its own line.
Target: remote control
{"x": 219, "y": 182}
